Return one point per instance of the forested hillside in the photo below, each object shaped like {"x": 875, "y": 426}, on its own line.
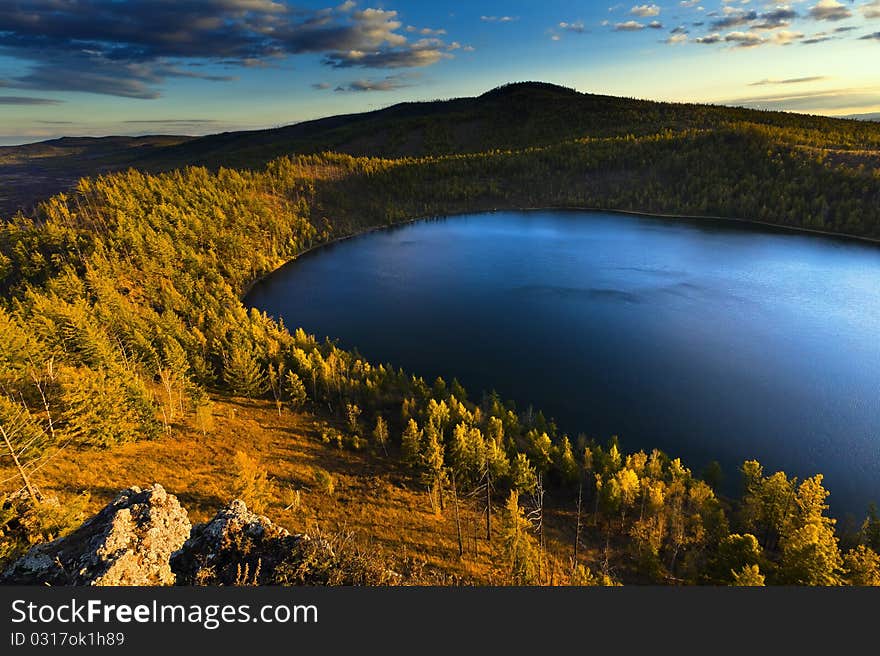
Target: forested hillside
{"x": 122, "y": 322}
{"x": 513, "y": 117}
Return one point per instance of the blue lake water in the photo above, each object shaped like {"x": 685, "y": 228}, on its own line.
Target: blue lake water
{"x": 710, "y": 340}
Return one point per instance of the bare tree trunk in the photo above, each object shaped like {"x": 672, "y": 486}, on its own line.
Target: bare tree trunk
{"x": 167, "y": 378}
{"x": 39, "y": 384}
{"x": 21, "y": 472}
{"x": 605, "y": 568}
{"x": 457, "y": 520}
{"x": 475, "y": 533}
{"x": 577, "y": 530}
{"x": 488, "y": 507}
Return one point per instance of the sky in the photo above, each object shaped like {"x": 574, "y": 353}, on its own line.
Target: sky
{"x": 102, "y": 67}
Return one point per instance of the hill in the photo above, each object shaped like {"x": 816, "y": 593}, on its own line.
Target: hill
{"x": 34, "y": 172}
{"x": 126, "y": 352}
{"x": 511, "y": 117}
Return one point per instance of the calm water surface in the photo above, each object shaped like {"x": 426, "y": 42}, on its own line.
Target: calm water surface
{"x": 709, "y": 340}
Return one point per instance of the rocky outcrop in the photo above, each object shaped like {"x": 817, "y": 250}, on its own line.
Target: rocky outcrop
{"x": 144, "y": 537}
{"x": 237, "y": 547}
{"x": 129, "y": 542}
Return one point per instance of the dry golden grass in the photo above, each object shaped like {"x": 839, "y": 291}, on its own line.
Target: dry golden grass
{"x": 374, "y": 500}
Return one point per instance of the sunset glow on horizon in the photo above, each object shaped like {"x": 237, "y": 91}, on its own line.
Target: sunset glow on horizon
{"x": 101, "y": 67}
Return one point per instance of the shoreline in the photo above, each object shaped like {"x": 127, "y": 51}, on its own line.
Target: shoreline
{"x": 698, "y": 217}
{"x": 562, "y": 208}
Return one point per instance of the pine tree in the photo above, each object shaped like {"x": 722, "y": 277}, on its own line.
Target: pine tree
{"x": 749, "y": 576}
{"x": 252, "y": 483}
{"x": 810, "y": 553}
{"x": 22, "y": 439}
{"x": 242, "y": 371}
{"x": 411, "y": 444}
{"x": 296, "y": 391}
{"x": 565, "y": 464}
{"x": 352, "y": 414}
{"x": 380, "y": 433}
{"x": 435, "y": 473}
{"x": 523, "y": 475}
{"x": 519, "y": 548}
{"x": 96, "y": 409}
{"x": 862, "y": 566}
{"x": 733, "y": 554}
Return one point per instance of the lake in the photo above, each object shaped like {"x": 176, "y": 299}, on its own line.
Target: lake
{"x": 711, "y": 340}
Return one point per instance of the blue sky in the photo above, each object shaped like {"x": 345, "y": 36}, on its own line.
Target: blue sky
{"x": 98, "y": 67}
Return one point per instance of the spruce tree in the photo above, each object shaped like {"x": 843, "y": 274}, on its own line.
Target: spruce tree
{"x": 749, "y": 576}
{"x": 296, "y": 391}
{"x": 519, "y": 548}
{"x": 242, "y": 371}
{"x": 411, "y": 444}
{"x": 380, "y": 433}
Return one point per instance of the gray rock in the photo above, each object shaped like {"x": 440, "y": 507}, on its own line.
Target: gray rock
{"x": 237, "y": 547}
{"x": 129, "y": 542}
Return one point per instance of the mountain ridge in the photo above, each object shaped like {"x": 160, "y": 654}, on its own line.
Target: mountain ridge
{"x": 509, "y": 117}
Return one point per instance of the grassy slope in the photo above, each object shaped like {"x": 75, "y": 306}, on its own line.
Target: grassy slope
{"x": 375, "y": 501}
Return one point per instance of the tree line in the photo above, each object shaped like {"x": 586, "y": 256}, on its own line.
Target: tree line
{"x": 122, "y": 313}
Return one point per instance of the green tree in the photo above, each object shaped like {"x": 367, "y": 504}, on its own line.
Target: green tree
{"x": 870, "y": 531}
{"x": 242, "y": 371}
{"x": 251, "y": 483}
{"x": 565, "y": 463}
{"x": 749, "y": 576}
{"x": 628, "y": 485}
{"x": 435, "y": 472}
{"x": 768, "y": 505}
{"x": 862, "y": 566}
{"x": 411, "y": 444}
{"x": 519, "y": 547}
{"x": 380, "y": 433}
{"x": 97, "y": 410}
{"x": 810, "y": 553}
{"x": 352, "y": 414}
{"x": 733, "y": 554}
{"x": 22, "y": 440}
{"x": 522, "y": 474}
{"x": 296, "y": 391}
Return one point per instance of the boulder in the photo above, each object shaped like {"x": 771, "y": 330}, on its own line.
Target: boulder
{"x": 144, "y": 537}
{"x": 236, "y": 547}
{"x": 129, "y": 542}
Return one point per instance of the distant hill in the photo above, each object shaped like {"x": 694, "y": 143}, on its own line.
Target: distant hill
{"x": 513, "y": 116}
{"x": 865, "y": 117}
{"x": 36, "y": 171}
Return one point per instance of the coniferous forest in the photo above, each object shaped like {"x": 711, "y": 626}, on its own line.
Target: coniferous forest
{"x": 122, "y": 323}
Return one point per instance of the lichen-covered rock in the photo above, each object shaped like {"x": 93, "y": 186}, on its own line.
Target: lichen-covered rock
{"x": 129, "y": 542}
{"x": 239, "y": 547}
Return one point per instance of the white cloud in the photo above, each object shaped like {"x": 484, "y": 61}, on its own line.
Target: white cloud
{"x": 830, "y": 10}
{"x": 785, "y": 37}
{"x": 744, "y": 39}
{"x": 872, "y": 9}
{"x": 645, "y": 11}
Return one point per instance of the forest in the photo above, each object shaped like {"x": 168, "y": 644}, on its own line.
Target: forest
{"x": 121, "y": 321}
